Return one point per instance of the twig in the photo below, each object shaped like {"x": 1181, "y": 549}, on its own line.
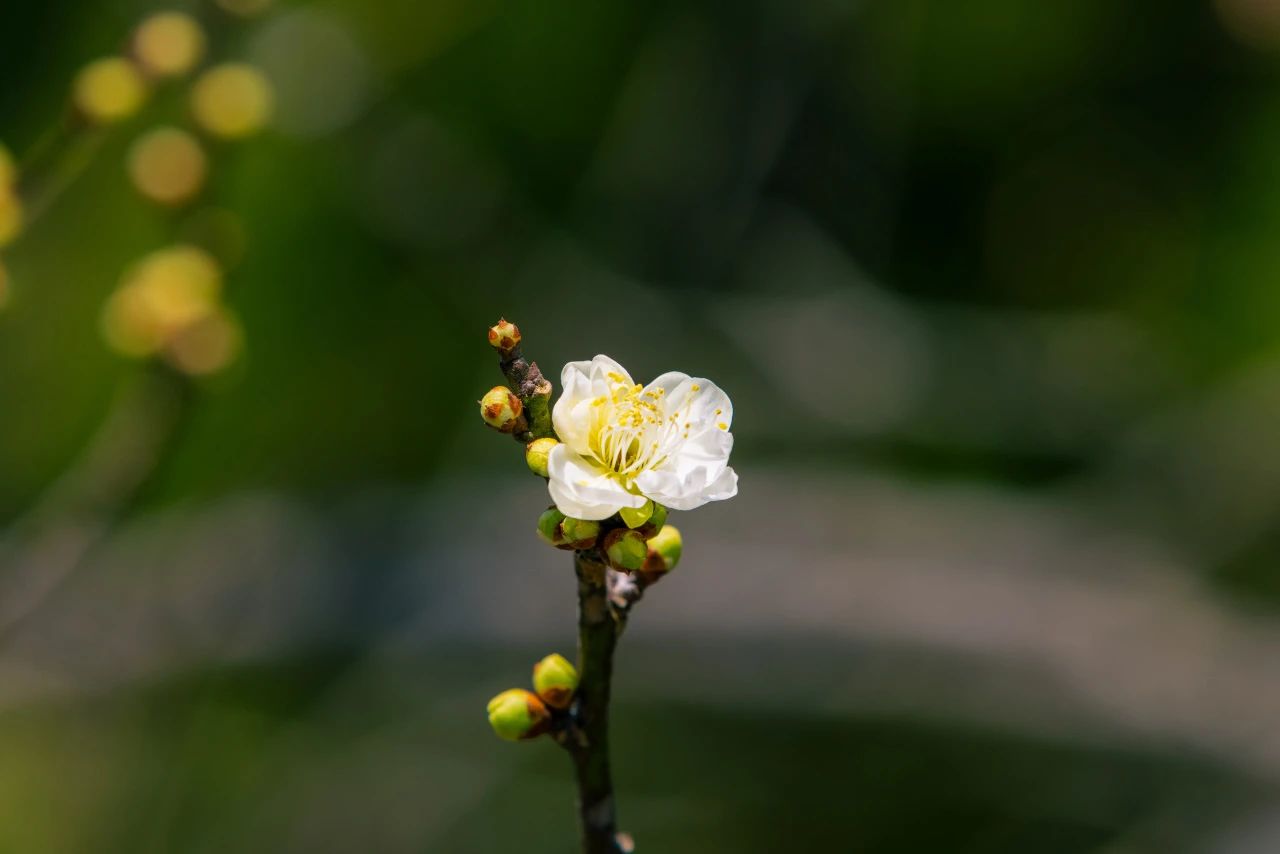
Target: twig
{"x": 533, "y": 389}
{"x": 625, "y": 590}
{"x": 597, "y": 637}
{"x": 584, "y": 730}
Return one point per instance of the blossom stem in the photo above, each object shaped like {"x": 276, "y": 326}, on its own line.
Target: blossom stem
{"x": 597, "y": 637}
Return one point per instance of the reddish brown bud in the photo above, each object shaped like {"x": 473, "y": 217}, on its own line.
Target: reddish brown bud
{"x": 501, "y": 409}
{"x": 504, "y": 336}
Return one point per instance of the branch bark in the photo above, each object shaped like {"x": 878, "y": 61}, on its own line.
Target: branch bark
{"x": 534, "y": 391}
{"x": 597, "y": 638}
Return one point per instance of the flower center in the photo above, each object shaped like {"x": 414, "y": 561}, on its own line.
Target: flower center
{"x": 627, "y": 428}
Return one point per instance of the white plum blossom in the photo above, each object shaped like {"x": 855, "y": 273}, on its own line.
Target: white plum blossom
{"x": 624, "y": 444}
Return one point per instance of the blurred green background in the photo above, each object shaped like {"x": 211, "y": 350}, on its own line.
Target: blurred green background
{"x": 995, "y": 288}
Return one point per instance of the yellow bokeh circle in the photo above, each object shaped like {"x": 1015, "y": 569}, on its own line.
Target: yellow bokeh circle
{"x": 168, "y": 44}
{"x": 109, "y": 90}
{"x": 11, "y": 215}
{"x": 167, "y": 165}
{"x": 232, "y": 101}
{"x": 159, "y": 297}
{"x": 206, "y": 346}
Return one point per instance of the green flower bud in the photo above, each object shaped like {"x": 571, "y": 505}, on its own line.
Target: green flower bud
{"x": 518, "y": 714}
{"x": 555, "y": 680}
{"x": 664, "y": 551}
{"x": 634, "y": 517}
{"x": 501, "y": 409}
{"x": 504, "y": 336}
{"x": 655, "y": 523}
{"x": 536, "y": 454}
{"x": 625, "y": 549}
{"x": 549, "y": 527}
{"x": 579, "y": 533}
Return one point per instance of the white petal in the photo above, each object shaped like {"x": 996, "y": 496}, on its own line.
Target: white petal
{"x": 703, "y": 414}
{"x": 699, "y": 402}
{"x": 668, "y": 382}
{"x": 601, "y": 367}
{"x": 725, "y": 486}
{"x": 696, "y": 488}
{"x": 584, "y": 490}
{"x": 580, "y": 383}
{"x": 696, "y": 469}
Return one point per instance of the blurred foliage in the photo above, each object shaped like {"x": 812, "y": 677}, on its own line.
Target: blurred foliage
{"x": 1022, "y": 245}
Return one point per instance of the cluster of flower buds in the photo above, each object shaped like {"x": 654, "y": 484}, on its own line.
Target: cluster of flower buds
{"x": 634, "y": 540}
{"x": 559, "y": 530}
{"x": 520, "y": 715}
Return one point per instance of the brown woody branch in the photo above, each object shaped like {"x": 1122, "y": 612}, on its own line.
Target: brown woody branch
{"x": 534, "y": 390}
{"x": 597, "y": 638}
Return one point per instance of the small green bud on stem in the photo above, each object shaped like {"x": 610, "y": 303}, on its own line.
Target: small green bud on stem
{"x": 549, "y": 527}
{"x": 664, "y": 553}
{"x": 566, "y": 533}
{"x": 555, "y": 680}
{"x": 625, "y": 549}
{"x": 517, "y": 715}
{"x": 536, "y": 454}
{"x": 504, "y": 336}
{"x": 655, "y": 522}
{"x": 502, "y": 410}
{"x": 579, "y": 533}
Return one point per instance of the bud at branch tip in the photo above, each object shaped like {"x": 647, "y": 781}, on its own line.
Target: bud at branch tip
{"x": 504, "y": 336}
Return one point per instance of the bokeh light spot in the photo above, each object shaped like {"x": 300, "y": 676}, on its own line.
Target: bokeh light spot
{"x": 159, "y": 297}
{"x": 321, "y": 76}
{"x": 207, "y": 345}
{"x": 169, "y": 44}
{"x": 167, "y": 165}
{"x": 109, "y": 90}
{"x": 232, "y": 101}
{"x": 11, "y": 215}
